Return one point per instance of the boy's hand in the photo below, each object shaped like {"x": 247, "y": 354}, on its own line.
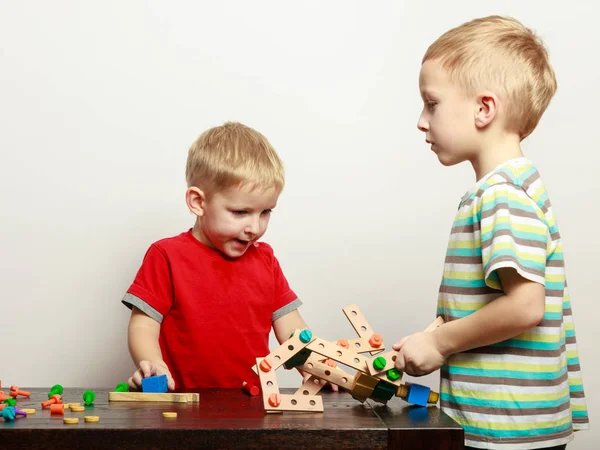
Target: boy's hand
{"x": 418, "y": 354}
{"x": 149, "y": 369}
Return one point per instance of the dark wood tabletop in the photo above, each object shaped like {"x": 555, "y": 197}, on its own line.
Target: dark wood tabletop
{"x": 229, "y": 418}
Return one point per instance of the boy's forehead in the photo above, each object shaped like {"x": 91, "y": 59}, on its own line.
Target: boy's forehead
{"x": 251, "y": 195}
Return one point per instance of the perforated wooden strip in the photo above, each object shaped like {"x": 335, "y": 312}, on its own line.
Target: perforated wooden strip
{"x": 358, "y": 321}
{"x": 285, "y": 351}
{"x": 334, "y": 375}
{"x": 307, "y": 403}
{"x": 339, "y": 354}
{"x": 268, "y": 383}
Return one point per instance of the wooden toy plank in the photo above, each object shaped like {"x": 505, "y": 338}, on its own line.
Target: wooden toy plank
{"x": 361, "y": 345}
{"x": 311, "y": 386}
{"x": 305, "y": 403}
{"x": 360, "y": 324}
{"x": 334, "y": 375}
{"x": 358, "y": 321}
{"x": 339, "y": 354}
{"x": 281, "y": 354}
{"x": 268, "y": 384}
{"x": 171, "y": 397}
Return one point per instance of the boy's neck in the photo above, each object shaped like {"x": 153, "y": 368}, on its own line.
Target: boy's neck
{"x": 496, "y": 151}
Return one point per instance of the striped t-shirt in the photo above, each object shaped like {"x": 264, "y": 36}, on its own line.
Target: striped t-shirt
{"x": 526, "y": 392}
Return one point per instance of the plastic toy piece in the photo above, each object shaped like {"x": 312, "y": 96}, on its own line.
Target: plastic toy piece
{"x": 89, "y": 397}
{"x": 56, "y": 389}
{"x": 169, "y": 415}
{"x": 20, "y": 412}
{"x": 298, "y": 359}
{"x": 57, "y": 408}
{"x": 157, "y": 383}
{"x": 29, "y": 411}
{"x": 250, "y": 389}
{"x": 122, "y": 387}
{"x": 8, "y": 413}
{"x": 15, "y": 391}
{"x": 77, "y": 408}
{"x": 3, "y": 396}
{"x": 417, "y": 394}
{"x": 170, "y": 397}
{"x": 71, "y": 420}
{"x": 363, "y": 386}
{"x": 383, "y": 392}
{"x": 72, "y": 405}
{"x": 91, "y": 419}
{"x": 285, "y": 351}
{"x": 10, "y": 401}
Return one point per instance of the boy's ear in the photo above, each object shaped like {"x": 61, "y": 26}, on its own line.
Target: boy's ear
{"x": 195, "y": 198}
{"x": 487, "y": 109}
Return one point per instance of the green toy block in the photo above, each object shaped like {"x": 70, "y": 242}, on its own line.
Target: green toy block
{"x": 384, "y": 391}
{"x": 122, "y": 387}
{"x": 379, "y": 363}
{"x": 89, "y": 397}
{"x": 298, "y": 359}
{"x": 10, "y": 401}
{"x": 56, "y": 389}
{"x": 393, "y": 374}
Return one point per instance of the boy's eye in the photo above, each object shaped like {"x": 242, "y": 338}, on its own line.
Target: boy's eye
{"x": 240, "y": 212}
{"x": 431, "y": 105}
{"x": 267, "y": 211}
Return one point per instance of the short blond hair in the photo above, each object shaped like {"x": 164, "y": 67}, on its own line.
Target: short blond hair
{"x": 500, "y": 54}
{"x": 230, "y": 155}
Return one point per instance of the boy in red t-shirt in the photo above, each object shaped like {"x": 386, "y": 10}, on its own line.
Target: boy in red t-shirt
{"x": 203, "y": 302}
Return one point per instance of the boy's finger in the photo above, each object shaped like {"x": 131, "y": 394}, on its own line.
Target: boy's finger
{"x": 398, "y": 345}
{"x": 170, "y": 383}
{"x": 147, "y": 369}
{"x": 400, "y": 362}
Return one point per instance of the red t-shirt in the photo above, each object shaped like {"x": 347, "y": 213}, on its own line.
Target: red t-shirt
{"x": 215, "y": 313}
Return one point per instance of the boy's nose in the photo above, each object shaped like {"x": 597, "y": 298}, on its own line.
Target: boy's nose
{"x": 253, "y": 227}
{"x": 422, "y": 124}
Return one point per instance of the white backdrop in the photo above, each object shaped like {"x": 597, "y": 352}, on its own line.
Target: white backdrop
{"x": 99, "y": 102}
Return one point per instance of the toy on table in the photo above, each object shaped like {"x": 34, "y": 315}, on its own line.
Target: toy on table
{"x": 55, "y": 399}
{"x": 122, "y": 387}
{"x": 15, "y": 391}
{"x": 88, "y": 397}
{"x": 375, "y": 379}
{"x": 10, "y": 401}
{"x": 251, "y": 389}
{"x": 8, "y": 413}
{"x": 156, "y": 383}
{"x": 56, "y": 389}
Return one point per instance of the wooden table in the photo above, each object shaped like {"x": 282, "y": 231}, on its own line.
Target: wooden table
{"x": 228, "y": 418}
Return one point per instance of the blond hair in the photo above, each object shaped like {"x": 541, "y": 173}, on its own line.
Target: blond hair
{"x": 233, "y": 155}
{"x": 502, "y": 55}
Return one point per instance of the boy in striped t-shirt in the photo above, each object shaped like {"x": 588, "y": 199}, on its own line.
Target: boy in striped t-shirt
{"x": 510, "y": 371}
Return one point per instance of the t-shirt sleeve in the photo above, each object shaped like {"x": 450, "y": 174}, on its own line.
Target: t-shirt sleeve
{"x": 514, "y": 234}
{"x": 152, "y": 288}
{"x": 283, "y": 293}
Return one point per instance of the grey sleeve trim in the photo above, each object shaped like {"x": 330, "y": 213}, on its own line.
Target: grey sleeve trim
{"x": 130, "y": 300}
{"x": 291, "y": 306}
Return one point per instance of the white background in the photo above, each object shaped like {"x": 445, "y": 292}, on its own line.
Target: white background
{"x": 99, "y": 102}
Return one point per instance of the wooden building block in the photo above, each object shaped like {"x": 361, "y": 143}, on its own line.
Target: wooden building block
{"x": 285, "y": 351}
{"x": 171, "y": 397}
{"x": 339, "y": 354}
{"x": 300, "y": 403}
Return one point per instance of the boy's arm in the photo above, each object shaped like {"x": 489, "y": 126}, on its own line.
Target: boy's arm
{"x": 143, "y": 333}
{"x": 521, "y": 308}
{"x": 285, "y": 326}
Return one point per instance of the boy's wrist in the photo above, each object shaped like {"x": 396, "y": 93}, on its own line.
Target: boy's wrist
{"x": 443, "y": 341}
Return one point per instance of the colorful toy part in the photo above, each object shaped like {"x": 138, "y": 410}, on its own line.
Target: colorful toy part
{"x": 55, "y": 399}
{"x": 376, "y": 379}
{"x": 417, "y": 394}
{"x": 88, "y": 397}
{"x": 15, "y": 391}
{"x": 157, "y": 383}
{"x": 122, "y": 387}
{"x": 3, "y": 396}
{"x": 251, "y": 389}
{"x": 8, "y": 414}
{"x": 56, "y": 389}
{"x": 10, "y": 401}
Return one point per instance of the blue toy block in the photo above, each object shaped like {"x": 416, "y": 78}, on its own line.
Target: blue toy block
{"x": 418, "y": 395}
{"x": 157, "y": 383}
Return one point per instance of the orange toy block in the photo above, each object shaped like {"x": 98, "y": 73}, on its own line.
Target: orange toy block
{"x": 57, "y": 408}
{"x": 15, "y": 391}
{"x": 250, "y": 389}
{"x": 55, "y": 399}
